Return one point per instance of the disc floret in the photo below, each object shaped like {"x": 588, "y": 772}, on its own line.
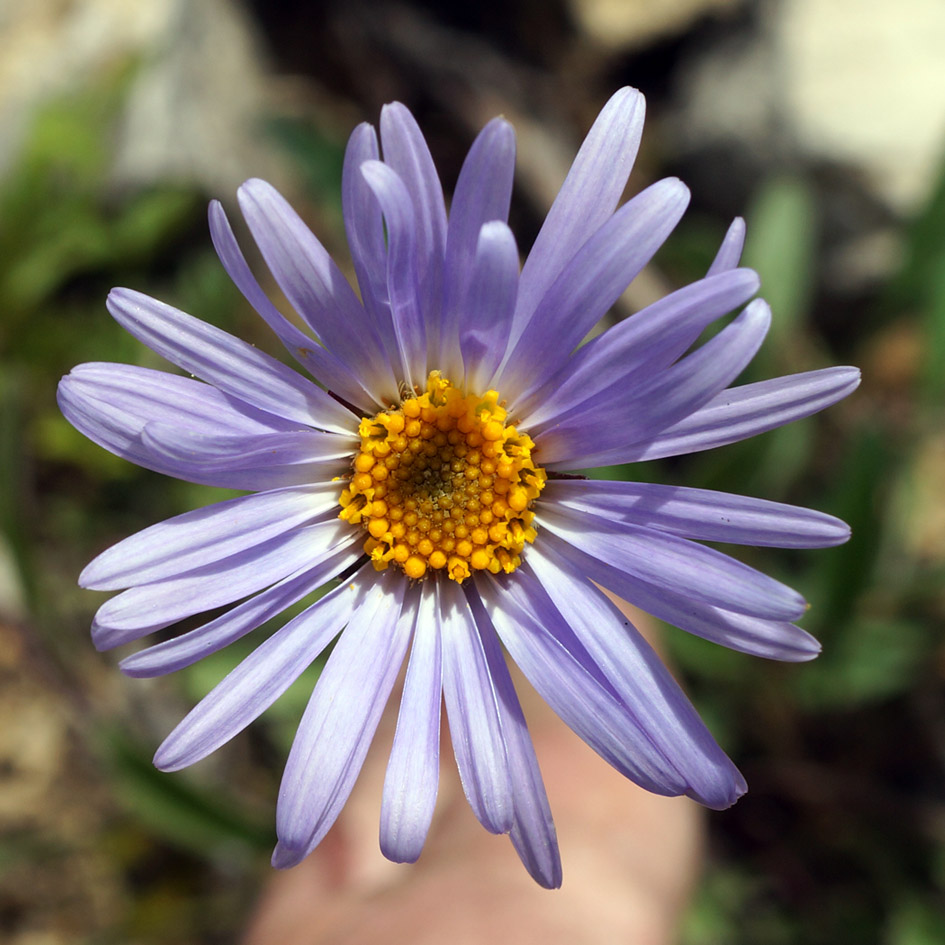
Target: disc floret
{"x": 444, "y": 483}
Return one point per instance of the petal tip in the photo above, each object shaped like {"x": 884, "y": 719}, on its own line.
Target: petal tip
{"x": 285, "y": 857}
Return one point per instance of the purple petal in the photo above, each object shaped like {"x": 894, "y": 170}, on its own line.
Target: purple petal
{"x": 535, "y": 636}
{"x": 413, "y": 770}
{"x": 342, "y": 715}
{"x": 742, "y": 412}
{"x": 233, "y": 366}
{"x": 315, "y": 286}
{"x": 310, "y": 448}
{"x": 142, "y": 609}
{"x": 188, "y": 648}
{"x": 405, "y": 301}
{"x": 407, "y": 154}
{"x": 321, "y": 363}
{"x": 157, "y": 395}
{"x": 364, "y": 226}
{"x": 770, "y": 639}
{"x": 248, "y": 690}
{"x": 490, "y": 301}
{"x": 482, "y": 194}
{"x": 701, "y": 513}
{"x": 682, "y": 566}
{"x": 730, "y": 252}
{"x": 112, "y": 403}
{"x": 591, "y": 282}
{"x": 644, "y": 344}
{"x": 641, "y": 681}
{"x": 205, "y": 535}
{"x": 533, "y": 831}
{"x": 475, "y": 728}
{"x": 629, "y": 413}
{"x": 726, "y": 259}
{"x": 587, "y": 198}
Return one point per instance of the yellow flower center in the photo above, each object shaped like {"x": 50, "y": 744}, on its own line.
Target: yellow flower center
{"x": 442, "y": 482}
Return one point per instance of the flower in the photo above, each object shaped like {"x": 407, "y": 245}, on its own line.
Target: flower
{"x": 426, "y": 478}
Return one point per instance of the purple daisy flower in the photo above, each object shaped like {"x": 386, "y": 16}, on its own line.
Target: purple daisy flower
{"x": 424, "y": 478}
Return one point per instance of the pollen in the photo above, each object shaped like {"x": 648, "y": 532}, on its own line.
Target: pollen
{"x": 443, "y": 484}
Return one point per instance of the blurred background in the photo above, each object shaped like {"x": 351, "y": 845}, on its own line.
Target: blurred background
{"x": 821, "y": 121}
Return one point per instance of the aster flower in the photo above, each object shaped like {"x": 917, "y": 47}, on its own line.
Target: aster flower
{"x": 424, "y": 483}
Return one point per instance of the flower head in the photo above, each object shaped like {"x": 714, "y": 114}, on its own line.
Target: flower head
{"x": 423, "y": 483}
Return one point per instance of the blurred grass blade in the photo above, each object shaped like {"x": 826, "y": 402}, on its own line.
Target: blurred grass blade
{"x": 846, "y": 571}
{"x": 782, "y": 236}
{"x": 200, "y": 821}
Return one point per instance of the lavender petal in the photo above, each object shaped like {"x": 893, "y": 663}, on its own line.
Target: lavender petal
{"x": 642, "y": 682}
{"x": 730, "y": 252}
{"x": 321, "y": 363}
{"x": 628, "y": 413}
{"x": 402, "y": 284}
{"x": 701, "y": 514}
{"x": 206, "y": 535}
{"x": 739, "y": 413}
{"x": 482, "y": 194}
{"x": 644, "y": 344}
{"x": 407, "y": 154}
{"x": 491, "y": 300}
{"x": 413, "y": 770}
{"x": 588, "y": 197}
{"x": 572, "y": 684}
{"x": 187, "y": 648}
{"x": 473, "y": 713}
{"x": 591, "y": 282}
{"x": 248, "y": 690}
{"x": 533, "y": 830}
{"x": 682, "y": 566}
{"x": 342, "y": 715}
{"x": 771, "y": 639}
{"x": 233, "y": 366}
{"x": 163, "y": 603}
